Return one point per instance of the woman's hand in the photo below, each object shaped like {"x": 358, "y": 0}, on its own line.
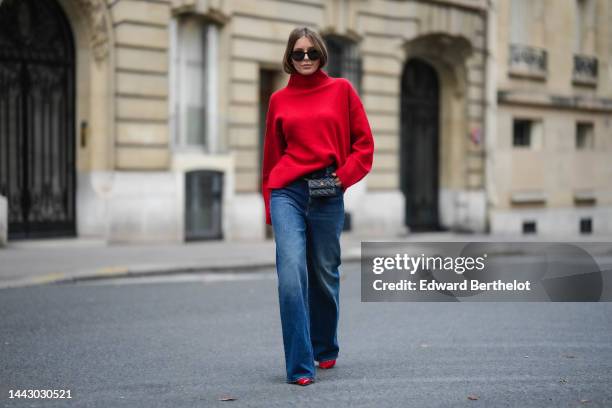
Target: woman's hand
{"x": 337, "y": 180}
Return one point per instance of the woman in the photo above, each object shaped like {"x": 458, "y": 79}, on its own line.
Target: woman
{"x": 315, "y": 127}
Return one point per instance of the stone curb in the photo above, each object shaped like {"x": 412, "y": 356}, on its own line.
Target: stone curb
{"x": 147, "y": 271}
{"x": 352, "y": 253}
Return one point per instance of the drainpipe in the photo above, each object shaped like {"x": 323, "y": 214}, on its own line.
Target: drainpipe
{"x": 490, "y": 139}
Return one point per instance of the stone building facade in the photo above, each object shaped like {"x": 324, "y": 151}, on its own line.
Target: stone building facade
{"x": 471, "y": 131}
{"x": 549, "y": 158}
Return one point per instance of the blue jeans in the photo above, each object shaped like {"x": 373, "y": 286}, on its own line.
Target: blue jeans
{"x": 307, "y": 234}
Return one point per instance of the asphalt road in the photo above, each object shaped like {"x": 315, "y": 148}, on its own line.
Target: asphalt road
{"x": 187, "y": 341}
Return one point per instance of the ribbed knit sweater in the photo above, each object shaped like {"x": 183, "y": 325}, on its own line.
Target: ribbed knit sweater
{"x": 311, "y": 123}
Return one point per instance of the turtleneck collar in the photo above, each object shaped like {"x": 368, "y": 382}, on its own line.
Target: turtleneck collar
{"x": 317, "y": 78}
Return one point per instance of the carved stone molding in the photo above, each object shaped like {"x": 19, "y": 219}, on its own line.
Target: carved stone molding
{"x": 210, "y": 9}
{"x": 445, "y": 52}
{"x": 95, "y": 10}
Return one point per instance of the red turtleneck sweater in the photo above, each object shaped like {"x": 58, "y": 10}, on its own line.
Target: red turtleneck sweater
{"x": 312, "y": 122}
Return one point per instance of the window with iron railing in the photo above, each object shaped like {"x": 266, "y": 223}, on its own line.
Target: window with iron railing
{"x": 527, "y": 54}
{"x": 585, "y": 62}
{"x": 193, "y": 42}
{"x": 344, "y": 60}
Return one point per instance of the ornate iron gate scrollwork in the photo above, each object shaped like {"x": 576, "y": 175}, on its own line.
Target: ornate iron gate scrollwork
{"x": 37, "y": 147}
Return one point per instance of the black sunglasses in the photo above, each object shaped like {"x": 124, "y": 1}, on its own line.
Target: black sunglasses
{"x": 299, "y": 55}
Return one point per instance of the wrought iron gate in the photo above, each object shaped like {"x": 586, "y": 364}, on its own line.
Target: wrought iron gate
{"x": 419, "y": 145}
{"x": 37, "y": 148}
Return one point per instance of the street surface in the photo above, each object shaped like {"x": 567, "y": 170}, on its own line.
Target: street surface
{"x": 191, "y": 340}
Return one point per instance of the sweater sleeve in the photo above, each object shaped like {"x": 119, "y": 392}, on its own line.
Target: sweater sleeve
{"x": 359, "y": 160}
{"x": 274, "y": 147}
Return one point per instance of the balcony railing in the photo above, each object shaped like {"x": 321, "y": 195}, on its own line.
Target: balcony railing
{"x": 585, "y": 70}
{"x": 526, "y": 61}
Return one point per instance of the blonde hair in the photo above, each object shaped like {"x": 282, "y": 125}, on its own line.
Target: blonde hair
{"x": 317, "y": 42}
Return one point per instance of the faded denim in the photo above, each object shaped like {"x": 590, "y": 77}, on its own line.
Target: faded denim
{"x": 307, "y": 234}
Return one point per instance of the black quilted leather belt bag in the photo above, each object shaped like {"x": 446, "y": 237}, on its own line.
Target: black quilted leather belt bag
{"x": 321, "y": 183}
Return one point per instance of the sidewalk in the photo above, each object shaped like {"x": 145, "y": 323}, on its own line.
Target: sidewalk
{"x": 26, "y": 263}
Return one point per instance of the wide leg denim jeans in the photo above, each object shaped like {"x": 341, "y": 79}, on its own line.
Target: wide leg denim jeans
{"x": 307, "y": 234}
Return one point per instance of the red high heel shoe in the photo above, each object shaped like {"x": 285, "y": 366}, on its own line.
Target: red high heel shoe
{"x": 327, "y": 364}
{"x": 304, "y": 381}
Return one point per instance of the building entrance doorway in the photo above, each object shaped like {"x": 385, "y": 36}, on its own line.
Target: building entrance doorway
{"x": 37, "y": 141}
{"x": 419, "y": 145}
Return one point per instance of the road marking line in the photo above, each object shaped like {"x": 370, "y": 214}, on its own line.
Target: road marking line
{"x": 50, "y": 277}
{"x": 113, "y": 270}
